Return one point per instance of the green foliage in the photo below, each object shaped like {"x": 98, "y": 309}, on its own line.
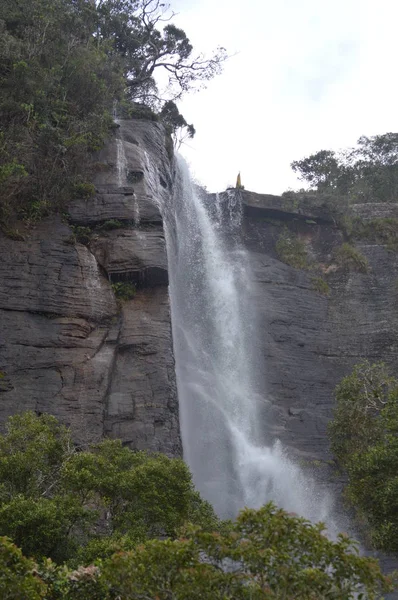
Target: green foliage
{"x": 81, "y": 234}
{"x": 132, "y": 496}
{"x": 14, "y": 234}
{"x": 63, "y": 63}
{"x": 264, "y": 554}
{"x": 9, "y": 171}
{"x": 381, "y": 230}
{"x": 144, "y": 495}
{"x": 366, "y": 173}
{"x": 18, "y": 580}
{"x": 103, "y": 547}
{"x": 291, "y": 250}
{"x": 54, "y": 499}
{"x": 136, "y": 110}
{"x": 84, "y": 235}
{"x": 41, "y": 526}
{"x": 124, "y": 290}
{"x": 110, "y": 224}
{"x": 175, "y": 122}
{"x": 359, "y": 398}
{"x": 35, "y": 510}
{"x": 321, "y": 170}
{"x": 270, "y": 555}
{"x": 320, "y": 285}
{"x": 31, "y": 454}
{"x": 364, "y": 440}
{"x": 324, "y": 203}
{"x": 291, "y": 201}
{"x": 351, "y": 259}
{"x": 84, "y": 190}
{"x": 64, "y": 583}
{"x": 56, "y": 90}
{"x": 373, "y": 481}
{"x": 131, "y": 28}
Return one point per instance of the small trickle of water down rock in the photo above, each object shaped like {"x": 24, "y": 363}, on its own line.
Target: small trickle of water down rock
{"x": 215, "y": 333}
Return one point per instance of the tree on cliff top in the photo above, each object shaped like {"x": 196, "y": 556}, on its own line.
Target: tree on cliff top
{"x": 367, "y": 172}
{"x": 175, "y": 122}
{"x": 62, "y": 64}
{"x": 140, "y": 31}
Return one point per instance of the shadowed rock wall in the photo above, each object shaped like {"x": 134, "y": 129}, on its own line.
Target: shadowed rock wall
{"x": 67, "y": 345}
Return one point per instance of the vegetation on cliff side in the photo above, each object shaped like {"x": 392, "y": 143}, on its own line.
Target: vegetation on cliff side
{"x": 291, "y": 250}
{"x": 108, "y": 523}
{"x": 364, "y": 439}
{"x": 62, "y": 65}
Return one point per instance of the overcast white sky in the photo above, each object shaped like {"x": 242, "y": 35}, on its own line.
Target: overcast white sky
{"x": 308, "y": 75}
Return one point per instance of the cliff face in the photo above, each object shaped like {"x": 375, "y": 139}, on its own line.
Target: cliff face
{"x": 310, "y": 340}
{"x": 68, "y": 346}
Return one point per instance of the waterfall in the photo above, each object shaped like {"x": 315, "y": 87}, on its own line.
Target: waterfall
{"x": 214, "y": 332}
{"x": 122, "y": 165}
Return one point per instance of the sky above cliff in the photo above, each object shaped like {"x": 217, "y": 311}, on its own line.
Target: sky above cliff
{"x": 305, "y": 75}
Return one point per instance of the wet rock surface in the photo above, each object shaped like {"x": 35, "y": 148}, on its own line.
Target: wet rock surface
{"x": 68, "y": 346}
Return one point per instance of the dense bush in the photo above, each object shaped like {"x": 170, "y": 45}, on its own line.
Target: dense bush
{"x": 380, "y": 230}
{"x": 129, "y": 525}
{"x": 54, "y": 499}
{"x": 291, "y": 250}
{"x": 18, "y": 579}
{"x": 364, "y": 439}
{"x": 63, "y": 63}
{"x": 264, "y": 554}
{"x": 56, "y": 90}
{"x": 351, "y": 259}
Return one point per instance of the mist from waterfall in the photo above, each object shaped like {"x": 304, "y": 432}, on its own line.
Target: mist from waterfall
{"x": 215, "y": 332}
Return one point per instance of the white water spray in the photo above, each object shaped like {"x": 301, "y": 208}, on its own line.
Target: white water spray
{"x": 214, "y": 332}
{"x": 121, "y": 160}
{"x": 121, "y": 163}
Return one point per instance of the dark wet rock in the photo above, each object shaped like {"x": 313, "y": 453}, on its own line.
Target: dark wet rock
{"x": 302, "y": 206}
{"x": 142, "y": 407}
{"x": 67, "y": 346}
{"x": 137, "y": 255}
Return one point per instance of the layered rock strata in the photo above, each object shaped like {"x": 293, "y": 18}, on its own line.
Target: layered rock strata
{"x": 68, "y": 345}
{"x": 311, "y": 340}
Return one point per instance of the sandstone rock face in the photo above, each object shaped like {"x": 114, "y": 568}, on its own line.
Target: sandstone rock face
{"x": 67, "y": 345}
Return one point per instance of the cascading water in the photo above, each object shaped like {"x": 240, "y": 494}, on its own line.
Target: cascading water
{"x": 121, "y": 165}
{"x": 214, "y": 332}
